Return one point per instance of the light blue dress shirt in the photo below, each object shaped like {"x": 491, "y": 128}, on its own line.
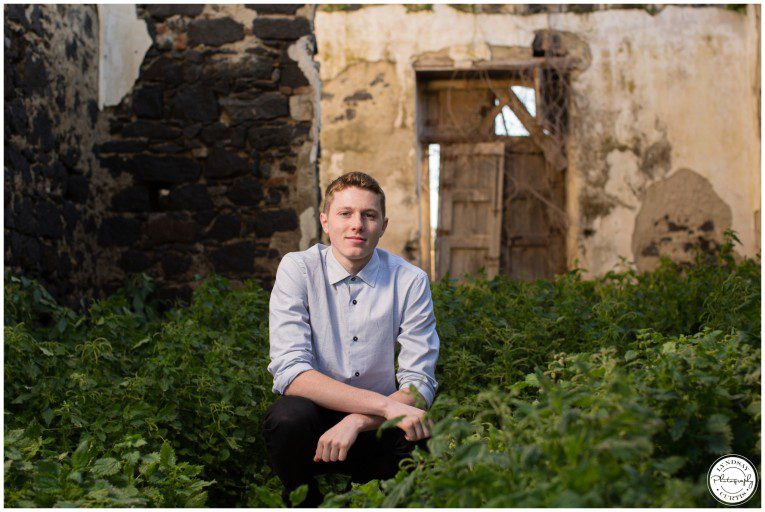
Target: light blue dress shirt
{"x": 346, "y": 327}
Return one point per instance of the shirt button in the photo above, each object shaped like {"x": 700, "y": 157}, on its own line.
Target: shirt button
{"x": 353, "y": 279}
{"x": 355, "y": 338}
{"x": 354, "y": 301}
{"x": 357, "y": 374}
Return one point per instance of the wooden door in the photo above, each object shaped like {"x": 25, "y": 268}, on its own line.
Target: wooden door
{"x": 470, "y": 211}
{"x": 534, "y": 220}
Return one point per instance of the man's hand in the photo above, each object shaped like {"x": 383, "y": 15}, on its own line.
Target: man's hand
{"x": 414, "y": 423}
{"x": 334, "y": 444}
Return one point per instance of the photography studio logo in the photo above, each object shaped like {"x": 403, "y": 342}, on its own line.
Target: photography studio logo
{"x": 732, "y": 479}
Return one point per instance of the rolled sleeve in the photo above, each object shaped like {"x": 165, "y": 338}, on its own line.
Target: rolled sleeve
{"x": 419, "y": 341}
{"x": 289, "y": 325}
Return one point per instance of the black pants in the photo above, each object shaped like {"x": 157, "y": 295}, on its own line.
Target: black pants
{"x": 292, "y": 428}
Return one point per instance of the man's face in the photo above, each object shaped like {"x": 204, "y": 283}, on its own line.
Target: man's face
{"x": 354, "y": 222}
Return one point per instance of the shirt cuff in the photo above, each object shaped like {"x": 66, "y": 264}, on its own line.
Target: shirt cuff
{"x": 427, "y": 393}
{"x": 285, "y": 378}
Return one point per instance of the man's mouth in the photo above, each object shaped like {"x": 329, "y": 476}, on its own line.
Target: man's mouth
{"x": 356, "y": 238}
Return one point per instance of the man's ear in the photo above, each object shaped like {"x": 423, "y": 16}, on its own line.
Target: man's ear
{"x": 323, "y": 220}
{"x": 385, "y": 225}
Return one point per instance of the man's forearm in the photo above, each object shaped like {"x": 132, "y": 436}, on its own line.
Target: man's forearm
{"x": 332, "y": 394}
{"x": 367, "y": 422}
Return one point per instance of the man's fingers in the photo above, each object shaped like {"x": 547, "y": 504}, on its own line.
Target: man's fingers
{"x": 418, "y": 426}
{"x": 325, "y": 452}
{"x": 411, "y": 431}
{"x": 427, "y": 426}
{"x": 331, "y": 451}
{"x": 415, "y": 435}
{"x": 424, "y": 427}
{"x": 334, "y": 452}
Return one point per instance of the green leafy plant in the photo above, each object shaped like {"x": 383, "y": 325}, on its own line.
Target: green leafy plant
{"x": 616, "y": 391}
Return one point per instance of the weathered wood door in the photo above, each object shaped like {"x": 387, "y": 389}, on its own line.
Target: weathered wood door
{"x": 502, "y": 198}
{"x": 534, "y": 221}
{"x": 470, "y": 210}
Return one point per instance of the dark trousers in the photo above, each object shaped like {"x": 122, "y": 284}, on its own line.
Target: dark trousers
{"x": 292, "y": 428}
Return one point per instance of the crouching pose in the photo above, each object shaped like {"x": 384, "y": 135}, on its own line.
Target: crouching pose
{"x": 336, "y": 315}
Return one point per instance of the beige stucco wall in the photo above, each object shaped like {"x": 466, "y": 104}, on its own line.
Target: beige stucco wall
{"x": 655, "y": 95}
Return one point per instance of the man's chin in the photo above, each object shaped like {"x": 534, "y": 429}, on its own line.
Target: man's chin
{"x": 356, "y": 253}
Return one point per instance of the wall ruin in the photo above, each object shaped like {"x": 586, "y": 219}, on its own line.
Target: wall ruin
{"x": 656, "y": 90}
{"x": 208, "y": 164}
{"x": 51, "y": 112}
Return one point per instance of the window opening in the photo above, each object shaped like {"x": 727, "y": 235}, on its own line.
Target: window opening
{"x": 506, "y": 123}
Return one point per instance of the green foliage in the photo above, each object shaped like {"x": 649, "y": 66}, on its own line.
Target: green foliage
{"x": 196, "y": 377}
{"x": 495, "y": 332}
{"x": 468, "y": 8}
{"x": 418, "y": 7}
{"x": 589, "y": 431}
{"x": 340, "y": 7}
{"x": 37, "y": 476}
{"x": 651, "y": 9}
{"x": 617, "y": 391}
{"x": 739, "y": 8}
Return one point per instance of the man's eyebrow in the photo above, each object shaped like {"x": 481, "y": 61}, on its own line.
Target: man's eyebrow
{"x": 352, "y": 208}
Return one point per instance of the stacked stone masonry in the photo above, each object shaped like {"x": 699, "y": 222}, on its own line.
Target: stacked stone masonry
{"x": 203, "y": 168}
{"x": 50, "y": 116}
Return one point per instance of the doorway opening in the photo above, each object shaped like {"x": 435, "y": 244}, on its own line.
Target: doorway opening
{"x": 434, "y": 165}
{"x": 494, "y": 172}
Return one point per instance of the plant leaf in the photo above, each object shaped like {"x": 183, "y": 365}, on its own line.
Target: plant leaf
{"x": 167, "y": 455}
{"x": 298, "y": 495}
{"x": 105, "y": 467}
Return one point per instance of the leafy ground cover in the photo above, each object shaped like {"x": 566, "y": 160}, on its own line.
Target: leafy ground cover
{"x": 619, "y": 391}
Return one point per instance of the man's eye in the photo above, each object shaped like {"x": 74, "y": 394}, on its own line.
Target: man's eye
{"x": 371, "y": 215}
{"x": 345, "y": 214}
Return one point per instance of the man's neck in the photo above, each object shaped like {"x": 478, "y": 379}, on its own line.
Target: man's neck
{"x": 352, "y": 266}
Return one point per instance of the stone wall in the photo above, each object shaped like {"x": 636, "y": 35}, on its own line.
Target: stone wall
{"x": 214, "y": 150}
{"x": 207, "y": 165}
{"x": 659, "y": 91}
{"x": 51, "y": 112}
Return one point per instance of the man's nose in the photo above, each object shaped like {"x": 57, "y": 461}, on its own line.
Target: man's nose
{"x": 357, "y": 222}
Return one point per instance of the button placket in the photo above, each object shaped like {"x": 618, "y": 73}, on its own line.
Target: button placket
{"x": 353, "y": 323}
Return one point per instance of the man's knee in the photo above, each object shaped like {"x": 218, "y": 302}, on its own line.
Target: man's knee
{"x": 290, "y": 414}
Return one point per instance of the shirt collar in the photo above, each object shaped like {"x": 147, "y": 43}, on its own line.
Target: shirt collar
{"x": 336, "y": 272}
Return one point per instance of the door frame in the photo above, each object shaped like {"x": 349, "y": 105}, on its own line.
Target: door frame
{"x": 492, "y": 74}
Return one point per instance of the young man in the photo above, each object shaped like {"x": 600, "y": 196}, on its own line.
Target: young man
{"x": 336, "y": 314}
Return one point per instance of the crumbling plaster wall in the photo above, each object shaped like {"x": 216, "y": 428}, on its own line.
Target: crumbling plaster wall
{"x": 665, "y": 93}
{"x": 653, "y": 95}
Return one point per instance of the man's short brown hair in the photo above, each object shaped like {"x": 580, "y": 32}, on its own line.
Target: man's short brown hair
{"x": 353, "y": 179}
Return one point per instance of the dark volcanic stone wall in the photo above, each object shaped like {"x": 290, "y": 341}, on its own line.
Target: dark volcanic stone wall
{"x": 207, "y": 146}
{"x": 51, "y": 92}
{"x": 205, "y": 167}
